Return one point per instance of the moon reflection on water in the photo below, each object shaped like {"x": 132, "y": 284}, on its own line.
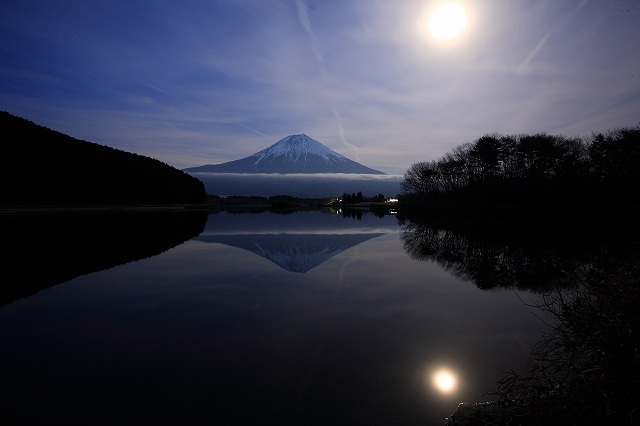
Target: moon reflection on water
{"x": 444, "y": 380}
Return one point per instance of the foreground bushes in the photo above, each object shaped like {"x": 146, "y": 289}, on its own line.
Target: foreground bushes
{"x": 587, "y": 368}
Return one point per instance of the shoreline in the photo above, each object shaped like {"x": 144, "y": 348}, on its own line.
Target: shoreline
{"x": 103, "y": 208}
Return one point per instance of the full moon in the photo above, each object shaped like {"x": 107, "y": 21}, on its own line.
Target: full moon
{"x": 444, "y": 381}
{"x": 448, "y": 21}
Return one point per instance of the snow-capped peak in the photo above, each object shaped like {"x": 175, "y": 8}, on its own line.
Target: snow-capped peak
{"x": 295, "y": 147}
{"x": 292, "y": 154}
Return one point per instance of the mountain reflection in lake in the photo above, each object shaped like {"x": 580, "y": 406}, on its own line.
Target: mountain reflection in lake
{"x": 293, "y": 248}
{"x": 220, "y": 330}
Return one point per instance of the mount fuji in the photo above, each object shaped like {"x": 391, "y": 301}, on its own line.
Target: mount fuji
{"x": 292, "y": 252}
{"x": 292, "y": 154}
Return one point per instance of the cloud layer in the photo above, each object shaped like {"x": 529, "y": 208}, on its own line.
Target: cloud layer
{"x": 210, "y": 82}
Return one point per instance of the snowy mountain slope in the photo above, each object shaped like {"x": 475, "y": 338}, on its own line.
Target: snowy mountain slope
{"x": 292, "y": 252}
{"x": 292, "y": 154}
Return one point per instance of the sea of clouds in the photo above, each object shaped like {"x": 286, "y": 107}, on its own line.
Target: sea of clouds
{"x": 299, "y": 185}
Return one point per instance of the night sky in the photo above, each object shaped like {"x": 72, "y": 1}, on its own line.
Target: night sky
{"x": 205, "y": 82}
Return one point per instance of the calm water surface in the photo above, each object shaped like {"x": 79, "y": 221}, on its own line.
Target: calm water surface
{"x": 302, "y": 318}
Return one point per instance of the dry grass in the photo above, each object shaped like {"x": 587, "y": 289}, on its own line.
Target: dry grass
{"x": 587, "y": 368}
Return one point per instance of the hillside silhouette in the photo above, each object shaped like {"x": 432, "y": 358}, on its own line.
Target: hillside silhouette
{"x": 40, "y": 166}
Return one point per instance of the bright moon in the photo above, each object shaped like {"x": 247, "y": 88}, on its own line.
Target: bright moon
{"x": 448, "y": 21}
{"x": 444, "y": 381}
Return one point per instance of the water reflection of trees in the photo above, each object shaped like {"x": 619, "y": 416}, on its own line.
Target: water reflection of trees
{"x": 42, "y": 250}
{"x": 524, "y": 256}
{"x": 359, "y": 212}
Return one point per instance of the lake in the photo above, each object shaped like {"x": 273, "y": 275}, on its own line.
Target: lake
{"x": 312, "y": 317}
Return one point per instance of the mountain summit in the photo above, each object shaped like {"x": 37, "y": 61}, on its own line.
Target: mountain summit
{"x": 292, "y": 154}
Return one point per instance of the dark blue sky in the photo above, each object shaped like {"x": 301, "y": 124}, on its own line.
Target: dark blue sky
{"x": 197, "y": 82}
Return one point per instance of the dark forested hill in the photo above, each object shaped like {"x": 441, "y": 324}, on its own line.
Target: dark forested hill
{"x": 41, "y": 166}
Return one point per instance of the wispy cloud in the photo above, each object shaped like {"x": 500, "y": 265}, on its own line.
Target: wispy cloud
{"x": 525, "y": 66}
{"x": 215, "y": 81}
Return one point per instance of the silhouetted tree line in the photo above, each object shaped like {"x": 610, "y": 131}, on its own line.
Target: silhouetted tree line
{"x": 359, "y": 198}
{"x": 532, "y": 169}
{"x": 352, "y": 198}
{"x": 42, "y": 166}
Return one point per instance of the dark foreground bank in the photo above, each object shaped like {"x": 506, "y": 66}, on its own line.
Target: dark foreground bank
{"x": 587, "y": 368}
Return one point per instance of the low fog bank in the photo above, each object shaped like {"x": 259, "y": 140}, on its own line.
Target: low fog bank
{"x": 299, "y": 185}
